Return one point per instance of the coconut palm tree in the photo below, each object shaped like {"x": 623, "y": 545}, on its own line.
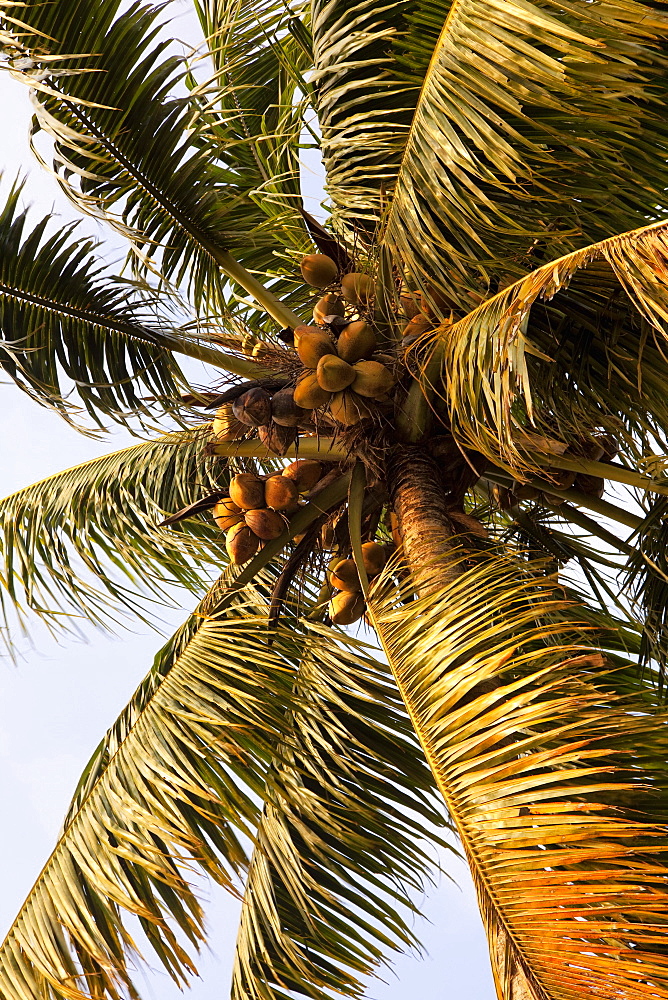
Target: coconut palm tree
{"x": 420, "y": 411}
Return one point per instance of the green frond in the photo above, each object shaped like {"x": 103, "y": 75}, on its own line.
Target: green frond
{"x": 65, "y": 321}
{"x": 86, "y": 540}
{"x": 127, "y": 149}
{"x": 646, "y": 574}
{"x": 364, "y": 109}
{"x": 539, "y": 128}
{"x": 556, "y": 784}
{"x": 578, "y": 344}
{"x": 254, "y": 113}
{"x": 344, "y": 833}
{"x": 172, "y": 789}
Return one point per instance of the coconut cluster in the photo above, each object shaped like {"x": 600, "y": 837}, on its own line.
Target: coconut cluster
{"x": 258, "y": 508}
{"x": 340, "y": 373}
{"x": 347, "y": 605}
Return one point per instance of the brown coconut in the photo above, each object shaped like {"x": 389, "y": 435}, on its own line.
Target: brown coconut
{"x": 346, "y": 608}
{"x": 247, "y": 491}
{"x": 525, "y": 491}
{"x": 372, "y": 379}
{"x": 241, "y": 543}
{"x": 277, "y": 439}
{"x": 226, "y": 427}
{"x": 357, "y": 288}
{"x": 593, "y": 486}
{"x": 309, "y": 394}
{"x": 436, "y": 303}
{"x": 226, "y": 513}
{"x": 312, "y": 345}
{"x": 356, "y": 341}
{"x": 266, "y": 524}
{"x": 253, "y": 407}
{"x": 345, "y": 576}
{"x": 305, "y": 473}
{"x": 328, "y": 305}
{"x": 334, "y": 374}
{"x": 281, "y": 493}
{"x": 318, "y": 270}
{"x": 348, "y": 408}
{"x": 284, "y": 410}
{"x": 374, "y": 558}
{"x": 410, "y": 304}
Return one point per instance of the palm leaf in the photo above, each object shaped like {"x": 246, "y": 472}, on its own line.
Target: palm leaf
{"x": 340, "y": 841}
{"x": 538, "y": 130}
{"x": 556, "y": 783}
{"x": 576, "y": 345}
{"x": 86, "y": 541}
{"x": 65, "y": 319}
{"x": 364, "y": 106}
{"x": 126, "y": 149}
{"x": 172, "y": 788}
{"x": 253, "y": 113}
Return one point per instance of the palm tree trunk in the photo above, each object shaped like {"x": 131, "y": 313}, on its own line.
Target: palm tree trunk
{"x": 424, "y": 497}
{"x": 424, "y": 512}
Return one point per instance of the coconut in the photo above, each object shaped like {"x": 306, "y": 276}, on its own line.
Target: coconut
{"x": 346, "y": 608}
{"x": 328, "y": 305}
{"x": 247, "y": 491}
{"x": 284, "y": 410}
{"x": 436, "y": 303}
{"x": 374, "y": 558}
{"x": 281, "y": 493}
{"x": 266, "y": 524}
{"x": 226, "y": 513}
{"x": 277, "y": 438}
{"x": 345, "y": 576}
{"x": 318, "y": 270}
{"x": 309, "y": 393}
{"x": 305, "y": 473}
{"x": 226, "y": 427}
{"x": 241, "y": 543}
{"x": 357, "y": 288}
{"x": 312, "y": 345}
{"x": 348, "y": 408}
{"x": 356, "y": 340}
{"x": 253, "y": 407}
{"x": 415, "y": 328}
{"x": 593, "y": 486}
{"x": 372, "y": 379}
{"x": 524, "y": 491}
{"x": 333, "y": 373}
{"x": 410, "y": 304}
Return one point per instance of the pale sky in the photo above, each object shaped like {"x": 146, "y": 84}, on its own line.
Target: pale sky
{"x": 57, "y": 702}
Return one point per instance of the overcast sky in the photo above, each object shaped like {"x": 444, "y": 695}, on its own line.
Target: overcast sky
{"x": 57, "y": 702}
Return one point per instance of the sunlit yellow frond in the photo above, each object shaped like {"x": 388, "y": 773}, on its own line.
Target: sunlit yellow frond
{"x": 578, "y": 343}
{"x": 556, "y": 782}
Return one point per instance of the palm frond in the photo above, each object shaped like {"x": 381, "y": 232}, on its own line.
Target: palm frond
{"x": 171, "y": 790}
{"x": 343, "y": 837}
{"x": 646, "y": 575}
{"x": 539, "y": 129}
{"x": 86, "y": 540}
{"x": 364, "y": 107}
{"x": 254, "y": 113}
{"x": 65, "y": 321}
{"x": 556, "y": 784}
{"x": 128, "y": 150}
{"x": 576, "y": 345}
